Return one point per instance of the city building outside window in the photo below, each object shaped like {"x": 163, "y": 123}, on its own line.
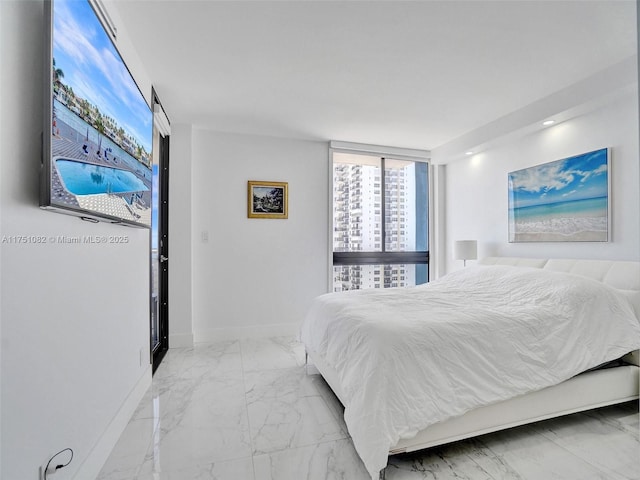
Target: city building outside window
{"x": 380, "y": 221}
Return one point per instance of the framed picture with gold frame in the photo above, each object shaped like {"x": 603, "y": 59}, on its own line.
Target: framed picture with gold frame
{"x": 267, "y": 199}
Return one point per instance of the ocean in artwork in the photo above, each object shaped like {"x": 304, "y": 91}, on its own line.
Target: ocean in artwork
{"x": 580, "y": 220}
{"x": 565, "y": 200}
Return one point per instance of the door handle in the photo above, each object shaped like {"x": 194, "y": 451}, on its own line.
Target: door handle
{"x": 163, "y": 258}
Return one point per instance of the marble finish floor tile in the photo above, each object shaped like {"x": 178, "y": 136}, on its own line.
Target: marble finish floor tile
{"x": 286, "y": 411}
{"x": 546, "y": 450}
{"x": 207, "y": 424}
{"x": 128, "y": 454}
{"x": 247, "y": 410}
{"x": 271, "y": 353}
{"x": 608, "y": 442}
{"x": 335, "y": 460}
{"x": 238, "y": 469}
{"x": 466, "y": 460}
{"x": 201, "y": 362}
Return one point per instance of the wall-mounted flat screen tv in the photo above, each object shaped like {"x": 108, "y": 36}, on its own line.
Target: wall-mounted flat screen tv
{"x": 98, "y": 133}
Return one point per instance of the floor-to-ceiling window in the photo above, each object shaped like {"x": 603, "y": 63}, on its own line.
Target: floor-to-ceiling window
{"x": 380, "y": 220}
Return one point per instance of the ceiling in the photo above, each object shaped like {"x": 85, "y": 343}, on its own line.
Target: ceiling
{"x": 408, "y": 74}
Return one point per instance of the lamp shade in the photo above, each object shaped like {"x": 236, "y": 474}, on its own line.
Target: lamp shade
{"x": 465, "y": 250}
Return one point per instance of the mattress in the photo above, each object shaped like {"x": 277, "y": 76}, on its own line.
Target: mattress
{"x": 410, "y": 358}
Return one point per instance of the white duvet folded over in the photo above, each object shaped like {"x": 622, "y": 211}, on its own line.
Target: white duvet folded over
{"x": 407, "y": 358}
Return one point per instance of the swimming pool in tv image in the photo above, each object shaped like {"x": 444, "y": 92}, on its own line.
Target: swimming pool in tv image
{"x": 82, "y": 178}
{"x": 109, "y": 190}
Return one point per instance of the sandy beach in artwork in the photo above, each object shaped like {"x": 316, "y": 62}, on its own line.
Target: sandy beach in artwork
{"x": 562, "y": 229}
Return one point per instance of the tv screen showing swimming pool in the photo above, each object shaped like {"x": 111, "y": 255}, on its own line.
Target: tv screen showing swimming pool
{"x": 99, "y": 128}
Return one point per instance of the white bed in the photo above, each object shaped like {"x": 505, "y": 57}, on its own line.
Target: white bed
{"x": 395, "y": 404}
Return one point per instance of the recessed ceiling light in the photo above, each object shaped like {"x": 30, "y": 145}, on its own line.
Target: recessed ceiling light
{"x": 548, "y": 122}
{"x": 468, "y": 153}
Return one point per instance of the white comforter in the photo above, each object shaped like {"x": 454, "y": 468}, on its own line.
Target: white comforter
{"x": 407, "y": 358}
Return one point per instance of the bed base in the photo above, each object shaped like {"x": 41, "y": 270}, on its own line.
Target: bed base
{"x": 593, "y": 389}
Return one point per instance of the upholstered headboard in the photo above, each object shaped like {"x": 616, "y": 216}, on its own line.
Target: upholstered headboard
{"x": 621, "y": 275}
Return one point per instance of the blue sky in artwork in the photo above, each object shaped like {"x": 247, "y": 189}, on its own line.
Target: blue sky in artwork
{"x": 94, "y": 70}
{"x": 576, "y": 178}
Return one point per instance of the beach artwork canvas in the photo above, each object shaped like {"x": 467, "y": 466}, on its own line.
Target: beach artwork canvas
{"x": 562, "y": 201}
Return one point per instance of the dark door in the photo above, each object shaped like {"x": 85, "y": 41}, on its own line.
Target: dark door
{"x": 160, "y": 237}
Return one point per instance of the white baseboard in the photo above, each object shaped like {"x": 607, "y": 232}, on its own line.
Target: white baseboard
{"x": 239, "y": 333}
{"x": 100, "y": 452}
{"x": 181, "y": 340}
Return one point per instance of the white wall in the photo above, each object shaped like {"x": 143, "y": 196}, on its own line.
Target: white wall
{"x": 180, "y": 237}
{"x": 74, "y": 316}
{"x": 476, "y": 187}
{"x": 256, "y": 276}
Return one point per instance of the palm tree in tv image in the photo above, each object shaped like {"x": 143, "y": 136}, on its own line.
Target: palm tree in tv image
{"x": 58, "y": 75}
{"x": 99, "y": 126}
